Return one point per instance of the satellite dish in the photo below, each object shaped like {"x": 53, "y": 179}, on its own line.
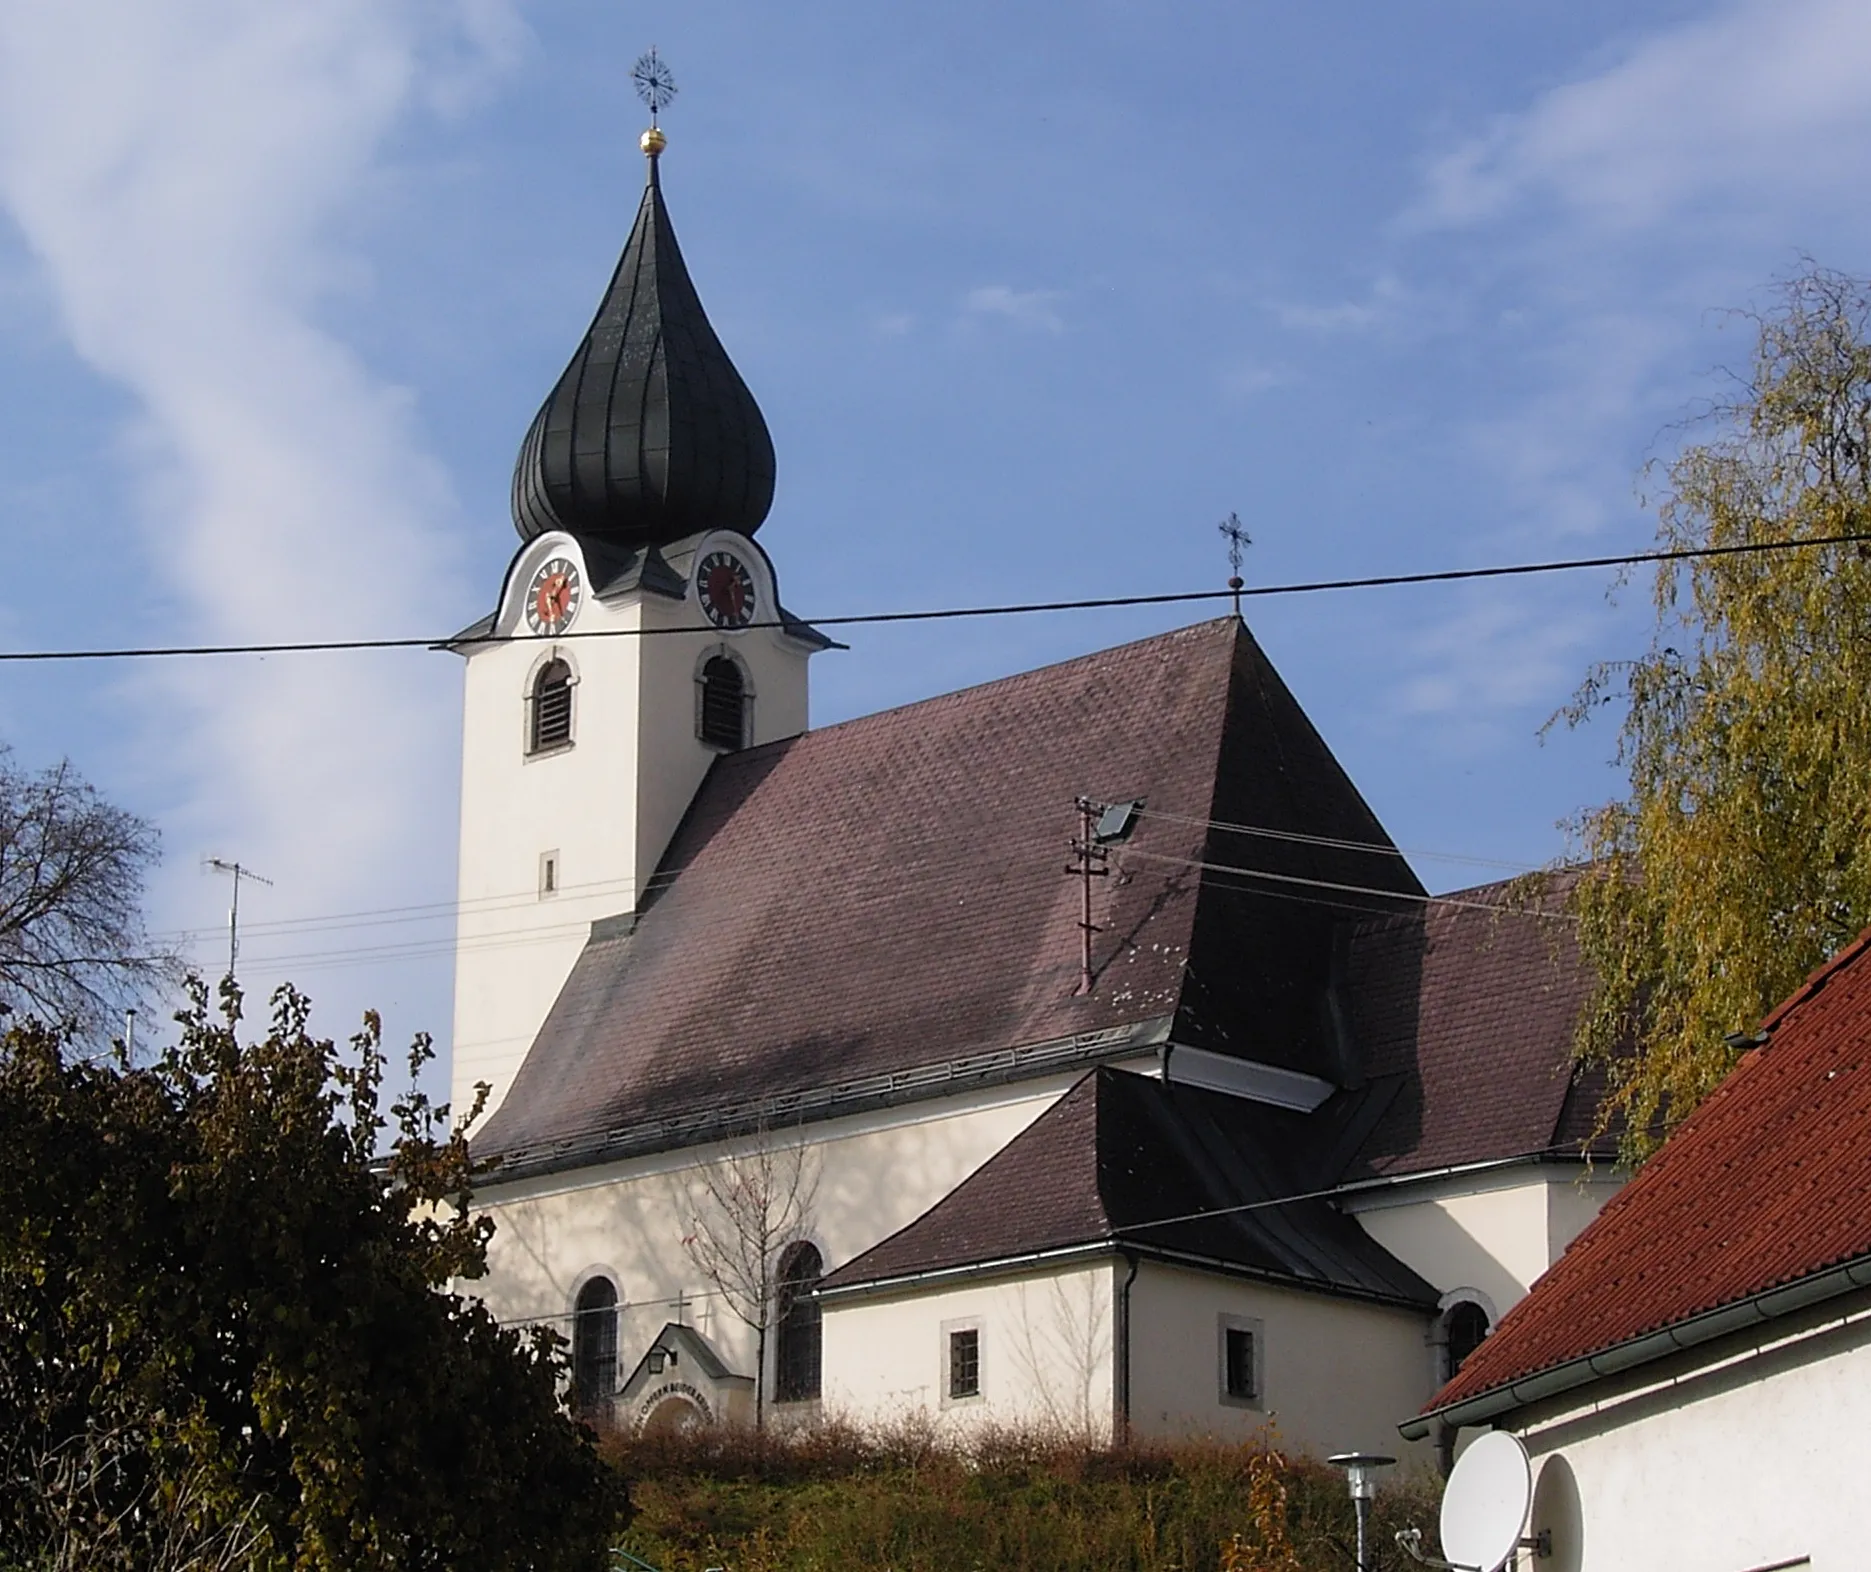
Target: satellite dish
{"x": 1485, "y": 1505}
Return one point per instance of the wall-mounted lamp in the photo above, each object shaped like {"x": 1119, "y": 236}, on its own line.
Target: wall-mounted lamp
{"x": 661, "y": 1356}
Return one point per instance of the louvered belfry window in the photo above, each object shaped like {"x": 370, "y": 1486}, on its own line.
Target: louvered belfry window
{"x": 724, "y": 704}
{"x": 552, "y": 709}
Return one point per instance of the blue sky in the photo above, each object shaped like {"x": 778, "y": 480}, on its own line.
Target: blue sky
{"x": 1031, "y": 297}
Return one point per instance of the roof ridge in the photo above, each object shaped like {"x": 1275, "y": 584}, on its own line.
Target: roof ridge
{"x": 1816, "y": 980}
{"x": 1214, "y": 624}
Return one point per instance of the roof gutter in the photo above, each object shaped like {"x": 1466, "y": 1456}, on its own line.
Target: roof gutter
{"x": 1771, "y": 1304}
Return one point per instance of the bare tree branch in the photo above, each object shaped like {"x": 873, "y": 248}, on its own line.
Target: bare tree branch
{"x": 752, "y": 1206}
{"x": 72, "y": 866}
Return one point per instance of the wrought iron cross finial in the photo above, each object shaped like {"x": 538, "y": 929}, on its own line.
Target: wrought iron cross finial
{"x": 1238, "y": 542}
{"x": 655, "y": 86}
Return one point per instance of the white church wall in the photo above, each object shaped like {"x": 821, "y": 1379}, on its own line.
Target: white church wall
{"x": 1043, "y": 1341}
{"x": 1726, "y": 1460}
{"x": 1494, "y": 1232}
{"x": 1334, "y": 1374}
{"x": 874, "y": 1174}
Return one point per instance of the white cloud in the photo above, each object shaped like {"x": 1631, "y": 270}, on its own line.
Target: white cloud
{"x": 1034, "y": 309}
{"x": 1380, "y": 306}
{"x": 1764, "y": 96}
{"x": 177, "y": 170}
{"x": 1248, "y": 379}
{"x": 1493, "y": 669}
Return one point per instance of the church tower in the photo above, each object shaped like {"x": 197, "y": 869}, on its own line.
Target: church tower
{"x": 637, "y": 636}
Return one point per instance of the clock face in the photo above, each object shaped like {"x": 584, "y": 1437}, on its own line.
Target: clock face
{"x": 553, "y": 596}
{"x": 725, "y": 589}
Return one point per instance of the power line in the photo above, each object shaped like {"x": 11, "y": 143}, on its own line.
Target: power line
{"x": 951, "y": 613}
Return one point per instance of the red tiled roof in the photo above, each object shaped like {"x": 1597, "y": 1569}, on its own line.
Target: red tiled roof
{"x": 1768, "y": 1182}
{"x": 887, "y": 896}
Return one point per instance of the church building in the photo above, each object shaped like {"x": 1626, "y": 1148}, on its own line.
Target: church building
{"x": 1075, "y": 1051}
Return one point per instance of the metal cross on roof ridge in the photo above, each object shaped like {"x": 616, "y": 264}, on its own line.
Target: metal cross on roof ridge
{"x": 1238, "y": 542}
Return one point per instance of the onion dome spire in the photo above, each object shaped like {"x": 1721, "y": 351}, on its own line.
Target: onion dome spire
{"x": 650, "y": 434}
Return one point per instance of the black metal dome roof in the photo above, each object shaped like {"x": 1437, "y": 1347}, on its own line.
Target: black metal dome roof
{"x": 650, "y": 434}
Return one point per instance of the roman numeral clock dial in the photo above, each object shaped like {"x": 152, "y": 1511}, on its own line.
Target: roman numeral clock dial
{"x": 725, "y": 589}
{"x": 552, "y": 599}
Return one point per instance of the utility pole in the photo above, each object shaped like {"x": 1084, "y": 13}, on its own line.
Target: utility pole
{"x": 239, "y": 872}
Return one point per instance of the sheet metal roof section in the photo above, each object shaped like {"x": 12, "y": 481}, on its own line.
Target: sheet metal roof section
{"x": 1764, "y": 1187}
{"x": 1130, "y": 1161}
{"x": 650, "y": 434}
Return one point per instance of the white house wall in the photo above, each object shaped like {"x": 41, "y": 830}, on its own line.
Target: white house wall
{"x": 1714, "y": 1465}
{"x": 1045, "y": 1352}
{"x": 628, "y": 1221}
{"x": 1334, "y": 1373}
{"x": 1495, "y": 1233}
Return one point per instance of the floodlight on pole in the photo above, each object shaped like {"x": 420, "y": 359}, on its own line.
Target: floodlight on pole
{"x": 1361, "y": 1478}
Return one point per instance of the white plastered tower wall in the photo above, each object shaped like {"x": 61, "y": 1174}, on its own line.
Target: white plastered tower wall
{"x": 603, "y": 808}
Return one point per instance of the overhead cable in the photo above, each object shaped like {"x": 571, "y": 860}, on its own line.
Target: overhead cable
{"x": 951, "y": 613}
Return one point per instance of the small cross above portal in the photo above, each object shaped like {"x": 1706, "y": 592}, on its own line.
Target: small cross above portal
{"x": 1238, "y": 542}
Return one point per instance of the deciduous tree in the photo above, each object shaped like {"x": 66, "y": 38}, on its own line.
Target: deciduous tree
{"x": 226, "y": 1330}
{"x": 746, "y": 1208}
{"x": 1741, "y": 856}
{"x": 72, "y": 945}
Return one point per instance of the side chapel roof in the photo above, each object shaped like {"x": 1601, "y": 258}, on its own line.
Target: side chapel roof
{"x": 880, "y": 910}
{"x": 1763, "y": 1186}
{"x": 1464, "y": 1012}
{"x": 1125, "y": 1160}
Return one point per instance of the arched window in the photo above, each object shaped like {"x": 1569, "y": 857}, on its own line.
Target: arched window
{"x": 594, "y": 1347}
{"x": 549, "y": 721}
{"x": 724, "y": 704}
{"x": 799, "y": 1347}
{"x": 1466, "y": 1324}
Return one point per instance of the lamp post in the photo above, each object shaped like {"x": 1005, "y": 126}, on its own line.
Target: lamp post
{"x": 1361, "y": 1476}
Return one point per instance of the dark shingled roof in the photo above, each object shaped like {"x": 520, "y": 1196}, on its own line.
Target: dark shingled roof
{"x": 650, "y": 434}
{"x": 1464, "y": 1012}
{"x": 1118, "y": 1157}
{"x": 1763, "y": 1185}
{"x": 881, "y": 910}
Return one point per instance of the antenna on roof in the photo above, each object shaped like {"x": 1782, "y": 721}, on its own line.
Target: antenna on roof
{"x": 1101, "y": 826}
{"x": 239, "y": 871}
{"x": 1238, "y": 542}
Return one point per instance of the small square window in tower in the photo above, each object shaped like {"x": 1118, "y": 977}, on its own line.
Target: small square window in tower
{"x": 724, "y": 704}
{"x": 551, "y": 719}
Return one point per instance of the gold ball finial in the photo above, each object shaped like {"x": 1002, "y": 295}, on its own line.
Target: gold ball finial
{"x": 653, "y": 141}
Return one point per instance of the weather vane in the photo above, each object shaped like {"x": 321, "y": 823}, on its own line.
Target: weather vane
{"x": 655, "y": 86}
{"x": 1238, "y": 542}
